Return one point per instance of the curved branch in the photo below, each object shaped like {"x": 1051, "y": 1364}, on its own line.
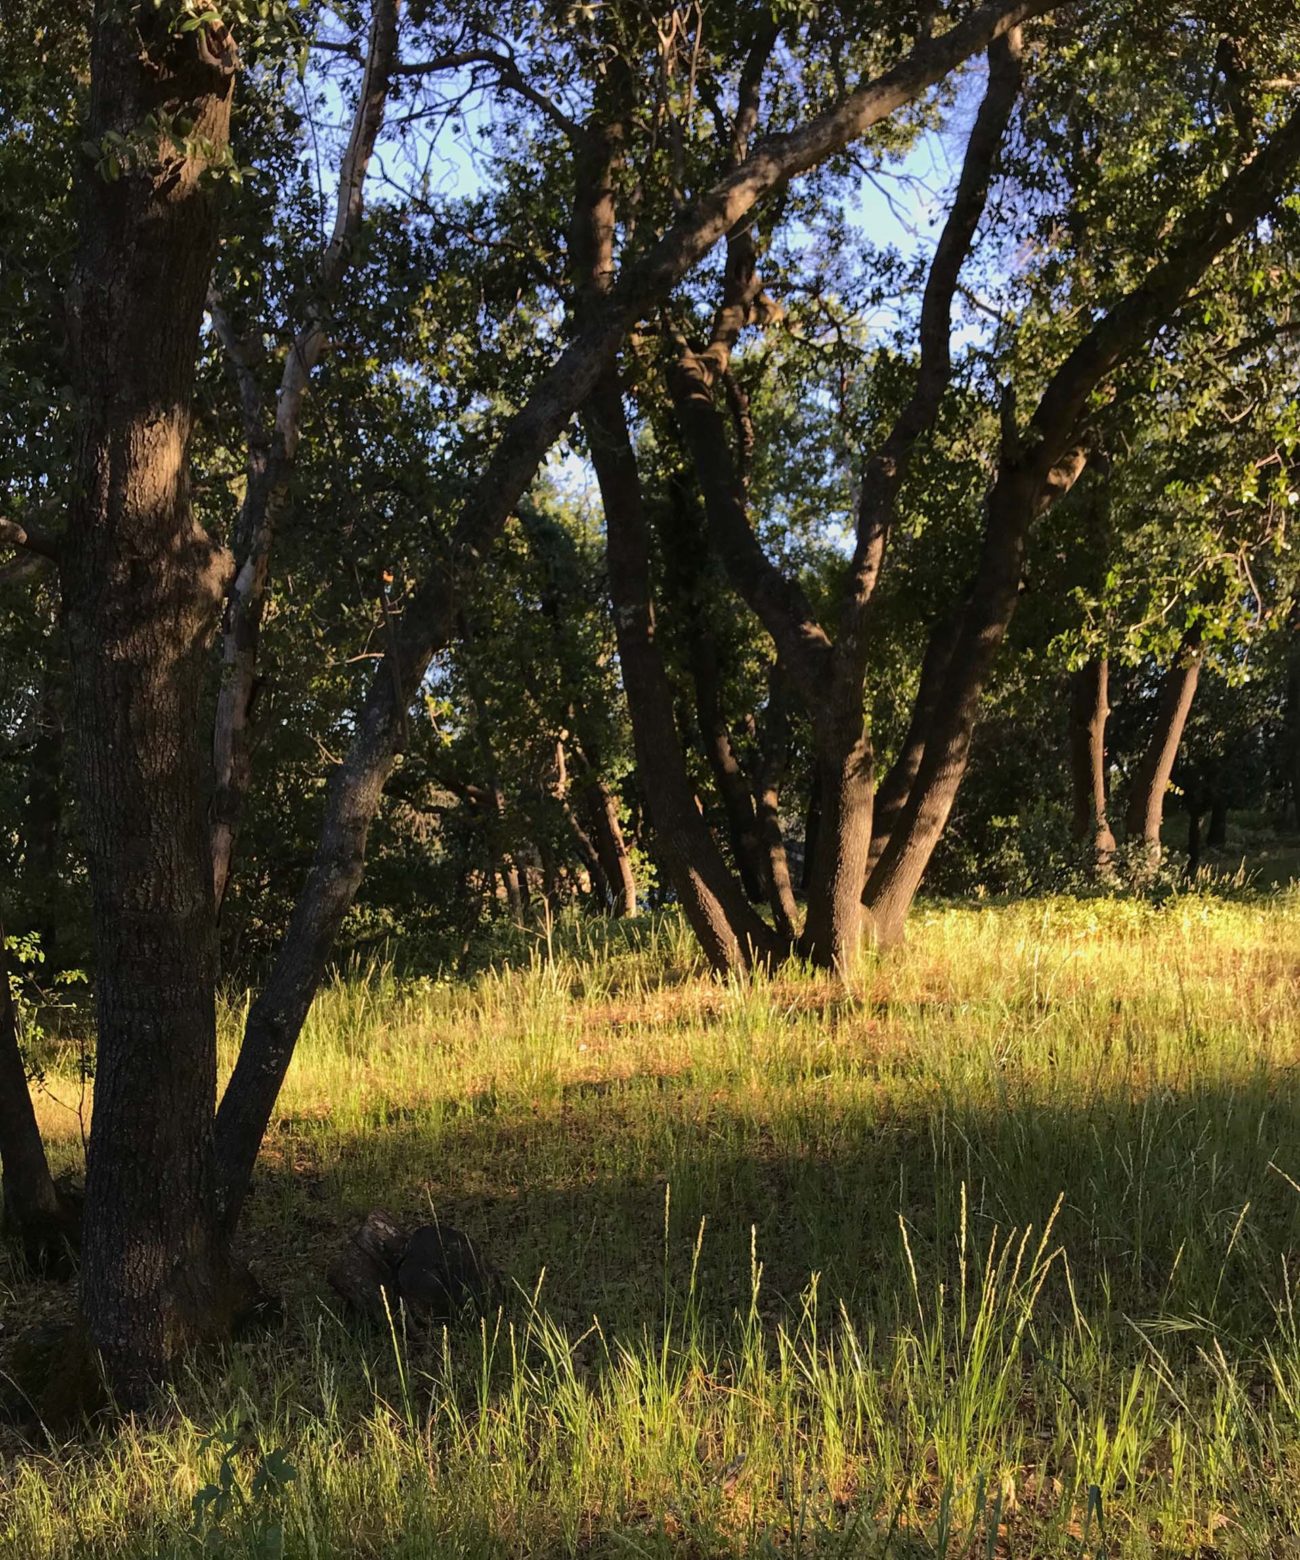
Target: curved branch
{"x": 30, "y": 539}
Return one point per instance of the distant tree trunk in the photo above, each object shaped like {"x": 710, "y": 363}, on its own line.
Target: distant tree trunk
{"x": 611, "y": 847}
{"x": 774, "y": 752}
{"x": 896, "y": 787}
{"x": 34, "y": 1212}
{"x": 142, "y": 590}
{"x": 1193, "y": 839}
{"x": 731, "y": 934}
{"x": 812, "y": 822}
{"x": 1089, "y": 708}
{"x": 1216, "y": 835}
{"x": 43, "y": 816}
{"x": 691, "y": 589}
{"x": 1146, "y": 804}
{"x": 1022, "y": 490}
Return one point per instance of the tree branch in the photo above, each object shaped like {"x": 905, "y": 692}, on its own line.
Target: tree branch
{"x": 31, "y": 539}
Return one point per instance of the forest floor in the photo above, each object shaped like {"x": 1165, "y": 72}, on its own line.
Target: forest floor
{"x": 991, "y": 1251}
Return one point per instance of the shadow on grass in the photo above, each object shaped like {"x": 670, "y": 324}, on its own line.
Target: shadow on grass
{"x": 1173, "y": 1201}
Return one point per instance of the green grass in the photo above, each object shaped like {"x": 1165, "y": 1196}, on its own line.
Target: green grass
{"x": 991, "y": 1252}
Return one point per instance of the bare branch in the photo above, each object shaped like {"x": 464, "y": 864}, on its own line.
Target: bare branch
{"x": 509, "y": 76}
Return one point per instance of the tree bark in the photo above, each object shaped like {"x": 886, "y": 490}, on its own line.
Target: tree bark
{"x": 43, "y": 1222}
{"x": 142, "y": 589}
{"x": 1150, "y": 784}
{"x": 611, "y": 847}
{"x": 773, "y": 755}
{"x": 731, "y": 934}
{"x": 1018, "y": 495}
{"x": 896, "y": 787}
{"x": 1089, "y": 709}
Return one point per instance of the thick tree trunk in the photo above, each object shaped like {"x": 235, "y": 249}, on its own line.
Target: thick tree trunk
{"x": 1089, "y": 709}
{"x": 142, "y": 590}
{"x": 43, "y": 1222}
{"x": 1146, "y": 804}
{"x": 832, "y": 928}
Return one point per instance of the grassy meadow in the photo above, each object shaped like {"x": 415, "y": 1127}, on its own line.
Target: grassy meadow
{"x": 991, "y": 1250}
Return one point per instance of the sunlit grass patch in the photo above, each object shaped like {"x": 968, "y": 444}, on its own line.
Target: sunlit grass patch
{"x": 989, "y": 1250}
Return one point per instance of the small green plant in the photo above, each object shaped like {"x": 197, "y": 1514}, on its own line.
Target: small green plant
{"x": 242, "y": 1515}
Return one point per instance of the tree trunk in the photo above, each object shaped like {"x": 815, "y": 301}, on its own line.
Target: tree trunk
{"x": 832, "y": 928}
{"x": 812, "y": 823}
{"x": 1193, "y": 839}
{"x": 1089, "y": 708}
{"x": 773, "y": 755}
{"x": 611, "y": 847}
{"x": 732, "y": 786}
{"x": 896, "y": 787}
{"x": 142, "y": 589}
{"x": 1019, "y": 494}
{"x": 44, "y": 1223}
{"x": 43, "y": 815}
{"x": 732, "y": 935}
{"x": 1146, "y": 805}
{"x": 1216, "y": 835}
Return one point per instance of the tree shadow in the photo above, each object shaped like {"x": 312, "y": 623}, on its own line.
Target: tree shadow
{"x": 1171, "y": 1203}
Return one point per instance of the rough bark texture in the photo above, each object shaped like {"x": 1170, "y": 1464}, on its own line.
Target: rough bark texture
{"x": 142, "y": 589}
{"x": 1089, "y": 709}
{"x": 1150, "y": 784}
{"x": 272, "y": 449}
{"x": 35, "y": 1214}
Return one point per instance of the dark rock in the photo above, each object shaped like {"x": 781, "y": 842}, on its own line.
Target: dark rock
{"x": 436, "y": 1274}
{"x": 443, "y": 1278}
